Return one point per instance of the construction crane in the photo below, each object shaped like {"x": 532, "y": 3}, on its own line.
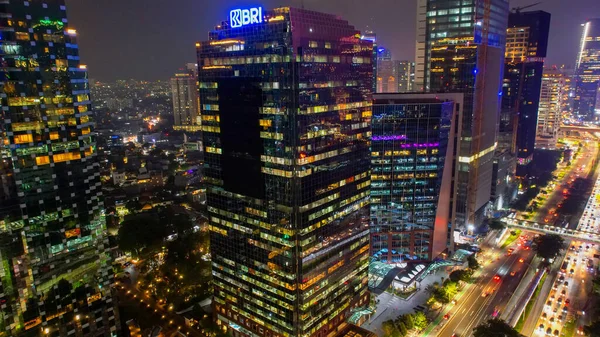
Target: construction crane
{"x": 518, "y": 9}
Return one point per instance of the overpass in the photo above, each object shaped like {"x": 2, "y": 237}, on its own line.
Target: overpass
{"x": 580, "y": 128}
{"x": 548, "y": 229}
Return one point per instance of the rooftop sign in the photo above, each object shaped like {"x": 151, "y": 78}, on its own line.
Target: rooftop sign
{"x": 244, "y": 17}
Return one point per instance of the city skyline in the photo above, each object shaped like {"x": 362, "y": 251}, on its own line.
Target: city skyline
{"x": 137, "y": 32}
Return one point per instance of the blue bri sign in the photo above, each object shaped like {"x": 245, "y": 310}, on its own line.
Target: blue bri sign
{"x": 243, "y": 17}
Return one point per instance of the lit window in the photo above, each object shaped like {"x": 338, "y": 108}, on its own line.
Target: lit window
{"x": 43, "y": 160}
{"x": 61, "y": 157}
{"x": 22, "y": 36}
{"x": 23, "y": 139}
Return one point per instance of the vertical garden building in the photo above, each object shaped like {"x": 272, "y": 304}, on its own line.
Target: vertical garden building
{"x": 55, "y": 269}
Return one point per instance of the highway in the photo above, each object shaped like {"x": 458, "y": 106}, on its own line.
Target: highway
{"x": 475, "y": 306}
{"x": 573, "y": 283}
{"x": 580, "y": 167}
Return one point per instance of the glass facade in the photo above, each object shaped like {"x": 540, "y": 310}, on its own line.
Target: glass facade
{"x": 56, "y": 269}
{"x": 526, "y": 46}
{"x": 554, "y": 100}
{"x": 464, "y": 52}
{"x": 186, "y": 105}
{"x": 587, "y": 99}
{"x": 286, "y": 106}
{"x": 408, "y": 154}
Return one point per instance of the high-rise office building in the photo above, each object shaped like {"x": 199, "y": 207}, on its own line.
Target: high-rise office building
{"x": 370, "y": 35}
{"x": 406, "y": 76}
{"x": 526, "y": 46}
{"x": 587, "y": 94}
{"x": 56, "y": 268}
{"x": 412, "y": 170}
{"x": 460, "y": 48}
{"x": 286, "y": 106}
{"x": 186, "y": 104}
{"x": 387, "y": 71}
{"x": 554, "y": 96}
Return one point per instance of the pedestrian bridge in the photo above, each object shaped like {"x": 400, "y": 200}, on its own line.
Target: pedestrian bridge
{"x": 580, "y": 128}
{"x": 548, "y": 229}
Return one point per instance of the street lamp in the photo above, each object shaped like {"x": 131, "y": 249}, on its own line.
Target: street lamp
{"x": 470, "y": 229}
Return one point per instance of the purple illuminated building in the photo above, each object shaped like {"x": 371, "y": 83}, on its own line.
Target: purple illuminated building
{"x": 412, "y": 161}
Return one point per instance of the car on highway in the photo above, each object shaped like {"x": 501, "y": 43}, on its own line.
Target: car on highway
{"x": 521, "y": 260}
{"x": 447, "y": 316}
{"x": 497, "y": 278}
{"x": 512, "y": 273}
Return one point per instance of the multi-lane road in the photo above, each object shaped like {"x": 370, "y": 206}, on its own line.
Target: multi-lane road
{"x": 568, "y": 300}
{"x": 491, "y": 297}
{"x": 500, "y": 276}
{"x": 580, "y": 167}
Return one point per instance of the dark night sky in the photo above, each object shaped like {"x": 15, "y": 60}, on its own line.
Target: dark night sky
{"x": 151, "y": 39}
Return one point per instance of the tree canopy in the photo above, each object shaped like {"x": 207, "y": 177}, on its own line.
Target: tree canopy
{"x": 140, "y": 231}
{"x": 463, "y": 275}
{"x": 496, "y": 224}
{"x": 549, "y": 245}
{"x": 403, "y": 324}
{"x": 592, "y": 330}
{"x": 473, "y": 263}
{"x": 495, "y": 327}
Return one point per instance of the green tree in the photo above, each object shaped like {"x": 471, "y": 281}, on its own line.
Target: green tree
{"x": 463, "y": 275}
{"x": 388, "y": 327}
{"x": 140, "y": 231}
{"x": 407, "y": 320}
{"x": 496, "y": 224}
{"x": 396, "y": 333}
{"x": 403, "y": 329}
{"x": 133, "y": 206}
{"x": 420, "y": 320}
{"x": 445, "y": 293}
{"x": 495, "y": 327}
{"x": 473, "y": 263}
{"x": 596, "y": 285}
{"x": 592, "y": 330}
{"x": 549, "y": 245}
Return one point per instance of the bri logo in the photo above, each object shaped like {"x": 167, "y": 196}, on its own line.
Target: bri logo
{"x": 243, "y": 17}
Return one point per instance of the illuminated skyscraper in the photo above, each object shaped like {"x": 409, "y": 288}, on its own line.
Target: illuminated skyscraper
{"x": 412, "y": 183}
{"x": 286, "y": 108}
{"x": 186, "y": 105}
{"x": 460, "y": 48}
{"x": 387, "y": 71}
{"x": 587, "y": 98}
{"x": 406, "y": 76}
{"x": 56, "y": 269}
{"x": 526, "y": 46}
{"x": 556, "y": 85}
